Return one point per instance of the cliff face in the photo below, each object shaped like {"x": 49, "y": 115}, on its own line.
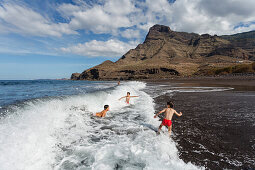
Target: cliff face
{"x": 75, "y": 76}
{"x": 166, "y": 53}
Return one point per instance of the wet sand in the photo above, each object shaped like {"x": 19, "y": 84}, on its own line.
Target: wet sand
{"x": 239, "y": 83}
{"x": 217, "y": 128}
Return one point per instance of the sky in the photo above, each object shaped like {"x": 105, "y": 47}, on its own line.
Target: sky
{"x": 41, "y": 39}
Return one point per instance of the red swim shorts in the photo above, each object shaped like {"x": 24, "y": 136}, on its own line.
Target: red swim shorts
{"x": 166, "y": 122}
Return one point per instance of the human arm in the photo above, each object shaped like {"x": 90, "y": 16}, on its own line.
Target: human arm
{"x": 178, "y": 114}
{"x": 162, "y": 111}
{"x": 134, "y": 96}
{"x": 122, "y": 97}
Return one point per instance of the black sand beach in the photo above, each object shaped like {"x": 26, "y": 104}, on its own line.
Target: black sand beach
{"x": 217, "y": 128}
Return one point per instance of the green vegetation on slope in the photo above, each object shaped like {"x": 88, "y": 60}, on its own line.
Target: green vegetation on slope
{"x": 244, "y": 35}
{"x": 241, "y": 68}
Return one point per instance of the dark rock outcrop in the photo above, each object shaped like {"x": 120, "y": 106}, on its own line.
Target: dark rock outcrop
{"x": 166, "y": 53}
{"x": 75, "y": 76}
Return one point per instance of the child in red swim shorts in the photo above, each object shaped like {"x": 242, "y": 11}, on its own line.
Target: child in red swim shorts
{"x": 167, "y": 121}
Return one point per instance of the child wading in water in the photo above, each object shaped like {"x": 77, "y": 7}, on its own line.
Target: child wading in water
{"x": 167, "y": 121}
{"x": 103, "y": 113}
{"x": 127, "y": 97}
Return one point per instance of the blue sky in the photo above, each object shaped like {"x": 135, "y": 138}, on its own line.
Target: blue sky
{"x": 52, "y": 39}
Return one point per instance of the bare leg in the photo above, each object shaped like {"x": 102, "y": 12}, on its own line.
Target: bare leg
{"x": 169, "y": 130}
{"x": 159, "y": 128}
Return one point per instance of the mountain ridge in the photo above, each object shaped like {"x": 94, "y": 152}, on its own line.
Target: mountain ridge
{"x": 166, "y": 53}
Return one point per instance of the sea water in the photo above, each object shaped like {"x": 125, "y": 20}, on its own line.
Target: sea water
{"x": 49, "y": 125}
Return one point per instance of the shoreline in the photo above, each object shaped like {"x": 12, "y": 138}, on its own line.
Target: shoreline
{"x": 250, "y": 76}
{"x": 227, "y": 76}
{"x": 214, "y": 127}
{"x": 229, "y": 80}
{"x": 237, "y": 83}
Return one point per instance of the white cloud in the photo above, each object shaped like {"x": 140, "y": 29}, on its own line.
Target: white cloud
{"x": 23, "y": 20}
{"x": 98, "y": 21}
{"x": 130, "y": 33}
{"x": 68, "y": 10}
{"x": 94, "y": 48}
{"x": 211, "y": 16}
{"x": 137, "y": 17}
{"x": 111, "y": 16}
{"x": 105, "y": 18}
{"x": 245, "y": 28}
{"x": 119, "y": 7}
{"x": 130, "y": 19}
{"x": 228, "y": 7}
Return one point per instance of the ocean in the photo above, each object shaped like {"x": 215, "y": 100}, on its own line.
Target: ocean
{"x": 48, "y": 124}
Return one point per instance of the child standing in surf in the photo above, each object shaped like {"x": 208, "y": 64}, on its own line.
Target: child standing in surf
{"x": 127, "y": 97}
{"x": 167, "y": 121}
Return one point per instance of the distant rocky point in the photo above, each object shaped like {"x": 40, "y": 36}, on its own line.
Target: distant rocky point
{"x": 75, "y": 76}
{"x": 166, "y": 54}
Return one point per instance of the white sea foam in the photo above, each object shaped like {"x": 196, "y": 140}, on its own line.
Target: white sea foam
{"x": 200, "y": 89}
{"x": 62, "y": 134}
{"x": 170, "y": 90}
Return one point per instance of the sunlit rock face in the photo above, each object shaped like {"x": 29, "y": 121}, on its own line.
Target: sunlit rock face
{"x": 166, "y": 53}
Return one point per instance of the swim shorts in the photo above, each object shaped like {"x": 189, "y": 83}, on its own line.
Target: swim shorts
{"x": 166, "y": 122}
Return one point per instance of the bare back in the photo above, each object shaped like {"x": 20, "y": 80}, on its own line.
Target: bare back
{"x": 169, "y": 112}
{"x": 101, "y": 114}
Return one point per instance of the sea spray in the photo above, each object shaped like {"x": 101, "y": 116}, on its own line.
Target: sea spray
{"x": 61, "y": 133}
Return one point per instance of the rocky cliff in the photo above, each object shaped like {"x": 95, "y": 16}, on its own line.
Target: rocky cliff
{"x": 166, "y": 53}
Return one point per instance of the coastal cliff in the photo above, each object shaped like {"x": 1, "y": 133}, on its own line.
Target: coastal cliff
{"x": 166, "y": 53}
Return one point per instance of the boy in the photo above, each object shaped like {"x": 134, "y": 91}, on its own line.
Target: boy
{"x": 167, "y": 121}
{"x": 127, "y": 97}
{"x": 103, "y": 113}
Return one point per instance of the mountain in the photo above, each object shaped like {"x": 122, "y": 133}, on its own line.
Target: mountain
{"x": 166, "y": 53}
